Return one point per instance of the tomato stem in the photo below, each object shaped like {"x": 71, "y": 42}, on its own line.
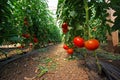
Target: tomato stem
{"x": 87, "y": 18}
{"x": 86, "y": 10}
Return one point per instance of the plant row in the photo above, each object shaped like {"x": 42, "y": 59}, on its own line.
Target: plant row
{"x": 27, "y": 22}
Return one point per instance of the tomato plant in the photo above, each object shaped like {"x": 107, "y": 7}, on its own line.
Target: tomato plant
{"x": 21, "y": 21}
{"x": 92, "y": 44}
{"x": 78, "y": 41}
{"x": 87, "y": 19}
{"x": 27, "y": 21}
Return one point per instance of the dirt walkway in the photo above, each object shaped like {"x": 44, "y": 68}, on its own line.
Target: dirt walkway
{"x": 27, "y": 68}
{"x": 66, "y": 69}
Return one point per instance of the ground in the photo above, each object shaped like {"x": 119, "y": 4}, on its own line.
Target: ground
{"x": 50, "y": 63}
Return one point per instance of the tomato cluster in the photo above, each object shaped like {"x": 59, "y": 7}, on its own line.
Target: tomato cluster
{"x": 65, "y": 28}
{"x": 91, "y": 44}
{"x": 27, "y": 36}
{"x": 68, "y": 50}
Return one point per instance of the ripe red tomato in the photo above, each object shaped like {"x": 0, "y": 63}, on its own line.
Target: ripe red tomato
{"x": 26, "y": 35}
{"x": 78, "y": 41}
{"x": 65, "y": 47}
{"x": 35, "y": 40}
{"x": 70, "y": 51}
{"x": 64, "y": 30}
{"x": 65, "y": 25}
{"x": 92, "y": 44}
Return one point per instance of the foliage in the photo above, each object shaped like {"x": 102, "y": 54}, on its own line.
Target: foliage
{"x": 9, "y": 27}
{"x": 18, "y": 17}
{"x": 46, "y": 64}
{"x": 86, "y": 18}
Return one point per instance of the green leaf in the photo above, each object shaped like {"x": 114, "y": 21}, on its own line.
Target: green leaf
{"x": 43, "y": 70}
{"x": 15, "y": 39}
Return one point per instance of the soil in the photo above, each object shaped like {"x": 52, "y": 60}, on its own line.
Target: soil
{"x": 27, "y": 67}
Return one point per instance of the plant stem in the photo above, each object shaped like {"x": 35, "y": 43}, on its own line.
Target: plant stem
{"x": 87, "y": 18}
{"x": 86, "y": 11}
